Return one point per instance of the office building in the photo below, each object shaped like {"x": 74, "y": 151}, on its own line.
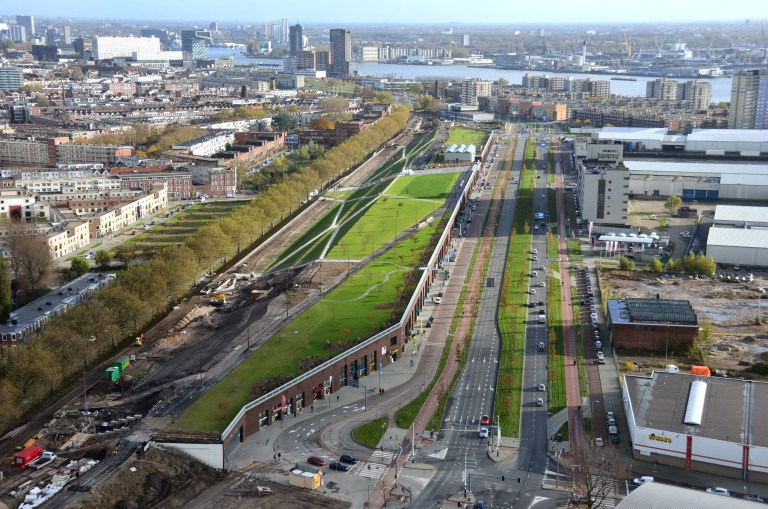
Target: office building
{"x": 296, "y": 39}
{"x": 662, "y": 89}
{"x": 213, "y": 27}
{"x": 698, "y": 92}
{"x": 749, "y": 100}
{"x": 163, "y": 35}
{"x": 284, "y": 34}
{"x": 603, "y": 192}
{"x": 17, "y": 33}
{"x": 45, "y": 53}
{"x": 305, "y": 60}
{"x": 106, "y": 48}
{"x": 10, "y": 78}
{"x": 67, "y": 35}
{"x": 370, "y": 54}
{"x": 341, "y": 52}
{"x": 465, "y": 40}
{"x": 471, "y": 89}
{"x": 195, "y": 42}
{"x": 28, "y": 22}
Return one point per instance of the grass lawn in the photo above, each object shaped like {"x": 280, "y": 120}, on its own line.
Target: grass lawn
{"x": 370, "y": 433}
{"x": 513, "y": 309}
{"x": 461, "y": 136}
{"x": 311, "y": 244}
{"x": 183, "y": 224}
{"x": 556, "y": 373}
{"x": 389, "y": 215}
{"x": 366, "y": 303}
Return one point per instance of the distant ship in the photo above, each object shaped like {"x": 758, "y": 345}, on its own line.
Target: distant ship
{"x": 622, "y": 78}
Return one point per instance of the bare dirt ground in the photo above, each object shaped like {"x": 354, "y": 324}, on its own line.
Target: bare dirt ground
{"x": 730, "y": 307}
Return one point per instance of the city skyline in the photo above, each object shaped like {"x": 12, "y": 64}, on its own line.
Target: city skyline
{"x": 403, "y": 11}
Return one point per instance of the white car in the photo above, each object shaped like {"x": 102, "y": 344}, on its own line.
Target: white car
{"x": 642, "y": 480}
{"x": 541, "y": 387}
{"x": 542, "y": 284}
{"x": 532, "y": 291}
{"x": 483, "y": 432}
{"x": 599, "y": 442}
{"x": 437, "y": 300}
{"x": 719, "y": 491}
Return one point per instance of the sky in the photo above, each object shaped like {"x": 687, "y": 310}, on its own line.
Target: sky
{"x": 510, "y": 12}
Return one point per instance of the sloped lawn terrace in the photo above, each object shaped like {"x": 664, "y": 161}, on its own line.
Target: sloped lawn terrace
{"x": 371, "y": 300}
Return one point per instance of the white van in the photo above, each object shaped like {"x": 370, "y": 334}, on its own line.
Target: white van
{"x": 671, "y": 368}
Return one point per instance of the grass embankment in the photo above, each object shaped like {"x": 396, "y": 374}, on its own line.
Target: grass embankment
{"x": 461, "y": 136}
{"x": 366, "y": 303}
{"x": 513, "y": 310}
{"x": 370, "y": 433}
{"x": 324, "y": 236}
{"x": 178, "y": 228}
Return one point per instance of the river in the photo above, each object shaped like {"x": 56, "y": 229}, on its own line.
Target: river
{"x": 721, "y": 87}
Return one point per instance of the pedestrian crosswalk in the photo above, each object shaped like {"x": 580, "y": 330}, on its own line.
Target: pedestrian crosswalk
{"x": 369, "y": 470}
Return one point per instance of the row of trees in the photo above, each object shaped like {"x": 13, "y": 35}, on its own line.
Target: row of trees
{"x": 72, "y": 340}
{"x": 691, "y": 264}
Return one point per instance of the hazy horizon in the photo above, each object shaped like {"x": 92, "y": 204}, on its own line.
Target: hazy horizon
{"x": 557, "y": 12}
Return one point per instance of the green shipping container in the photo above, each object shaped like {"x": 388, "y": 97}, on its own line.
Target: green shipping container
{"x": 112, "y": 374}
{"x": 122, "y": 363}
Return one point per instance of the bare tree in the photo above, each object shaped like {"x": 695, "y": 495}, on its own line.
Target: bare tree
{"x": 595, "y": 472}
{"x": 30, "y": 255}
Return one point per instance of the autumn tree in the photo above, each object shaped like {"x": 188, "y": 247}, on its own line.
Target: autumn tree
{"x": 656, "y": 265}
{"x": 125, "y": 254}
{"x": 594, "y": 471}
{"x": 9, "y": 403}
{"x": 30, "y": 255}
{"x": 672, "y": 204}
{"x": 78, "y": 266}
{"x": 102, "y": 258}
{"x": 6, "y": 304}
{"x": 321, "y": 123}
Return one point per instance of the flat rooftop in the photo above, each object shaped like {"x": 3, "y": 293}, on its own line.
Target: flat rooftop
{"x": 658, "y": 495}
{"x": 741, "y": 214}
{"x": 664, "y": 311}
{"x": 54, "y": 302}
{"x": 737, "y": 237}
{"x": 697, "y": 169}
{"x": 733, "y": 409}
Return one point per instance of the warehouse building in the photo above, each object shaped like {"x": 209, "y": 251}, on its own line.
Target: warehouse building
{"x": 660, "y": 325}
{"x": 603, "y": 192}
{"x": 706, "y": 142}
{"x": 699, "y": 180}
{"x": 738, "y": 246}
{"x": 459, "y": 153}
{"x": 706, "y": 424}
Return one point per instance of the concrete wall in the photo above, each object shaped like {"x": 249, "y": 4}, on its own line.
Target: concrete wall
{"x": 210, "y": 454}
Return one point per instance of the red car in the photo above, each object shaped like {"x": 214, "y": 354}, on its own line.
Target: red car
{"x": 485, "y": 420}
{"x": 314, "y": 460}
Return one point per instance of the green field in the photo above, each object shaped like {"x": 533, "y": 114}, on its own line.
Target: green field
{"x": 367, "y": 302}
{"x": 393, "y": 213}
{"x": 513, "y": 310}
{"x": 346, "y": 217}
{"x": 187, "y": 222}
{"x": 461, "y": 136}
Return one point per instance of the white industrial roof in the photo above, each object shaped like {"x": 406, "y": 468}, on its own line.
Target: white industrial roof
{"x": 628, "y": 240}
{"x": 657, "y": 495}
{"x": 698, "y": 169}
{"x": 744, "y": 180}
{"x": 737, "y": 237}
{"x": 632, "y": 133}
{"x": 740, "y": 214}
{"x": 751, "y": 135}
{"x": 460, "y": 148}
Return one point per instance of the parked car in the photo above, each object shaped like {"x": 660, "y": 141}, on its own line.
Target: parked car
{"x": 337, "y": 465}
{"x": 719, "y": 491}
{"x": 346, "y": 458}
{"x": 437, "y": 300}
{"x": 642, "y": 480}
{"x": 316, "y": 460}
{"x": 600, "y": 358}
{"x": 599, "y": 442}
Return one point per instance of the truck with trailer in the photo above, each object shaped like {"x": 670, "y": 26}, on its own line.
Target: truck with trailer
{"x": 26, "y": 456}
